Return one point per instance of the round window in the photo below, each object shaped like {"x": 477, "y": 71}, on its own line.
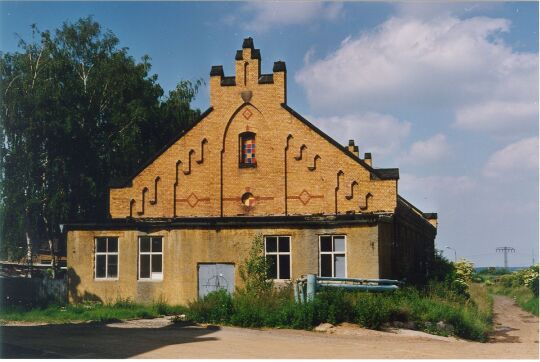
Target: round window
{"x": 248, "y": 199}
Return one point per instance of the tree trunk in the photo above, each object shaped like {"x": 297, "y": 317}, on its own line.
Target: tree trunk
{"x": 28, "y": 256}
{"x": 53, "y": 258}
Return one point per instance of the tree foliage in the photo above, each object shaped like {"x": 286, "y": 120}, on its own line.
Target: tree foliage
{"x": 77, "y": 112}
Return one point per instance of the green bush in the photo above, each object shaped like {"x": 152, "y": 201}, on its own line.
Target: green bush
{"x": 331, "y": 306}
{"x": 371, "y": 310}
{"x": 254, "y": 270}
{"x": 216, "y": 307}
{"x": 522, "y": 285}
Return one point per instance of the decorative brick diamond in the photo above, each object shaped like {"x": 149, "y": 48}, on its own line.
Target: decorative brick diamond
{"x": 247, "y": 113}
{"x": 192, "y": 200}
{"x": 304, "y": 197}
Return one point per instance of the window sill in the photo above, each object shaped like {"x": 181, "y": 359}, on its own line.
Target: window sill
{"x": 150, "y": 280}
{"x": 247, "y": 165}
{"x": 105, "y": 279}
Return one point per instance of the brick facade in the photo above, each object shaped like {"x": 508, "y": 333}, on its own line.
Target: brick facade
{"x": 299, "y": 171}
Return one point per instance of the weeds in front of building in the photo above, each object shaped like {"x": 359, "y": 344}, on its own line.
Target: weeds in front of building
{"x": 434, "y": 310}
{"x": 122, "y": 309}
{"x": 448, "y": 305}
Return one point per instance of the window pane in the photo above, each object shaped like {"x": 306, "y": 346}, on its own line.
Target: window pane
{"x": 145, "y": 266}
{"x": 101, "y": 245}
{"x": 248, "y": 150}
{"x": 339, "y": 243}
{"x": 272, "y": 270}
{"x": 100, "y": 266}
{"x": 112, "y": 246}
{"x": 339, "y": 266}
{"x": 284, "y": 267}
{"x": 326, "y": 265}
{"x": 326, "y": 243}
{"x": 145, "y": 243}
{"x": 271, "y": 244}
{"x": 112, "y": 270}
{"x": 284, "y": 244}
{"x": 156, "y": 263}
{"x": 156, "y": 244}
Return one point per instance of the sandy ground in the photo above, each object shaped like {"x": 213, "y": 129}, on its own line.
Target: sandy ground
{"x": 515, "y": 336}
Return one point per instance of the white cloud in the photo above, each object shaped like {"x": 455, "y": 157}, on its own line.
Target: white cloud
{"x": 267, "y": 14}
{"x": 495, "y": 116}
{"x": 436, "y": 185}
{"x": 443, "y": 63}
{"x": 436, "y": 193}
{"x": 516, "y": 159}
{"x": 378, "y": 133}
{"x": 429, "y": 10}
{"x": 428, "y": 151}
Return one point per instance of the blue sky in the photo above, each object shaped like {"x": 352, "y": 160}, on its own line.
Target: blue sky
{"x": 446, "y": 92}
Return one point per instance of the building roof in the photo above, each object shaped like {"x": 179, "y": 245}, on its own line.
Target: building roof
{"x": 425, "y": 215}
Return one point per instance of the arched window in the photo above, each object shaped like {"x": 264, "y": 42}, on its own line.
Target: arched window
{"x": 247, "y": 150}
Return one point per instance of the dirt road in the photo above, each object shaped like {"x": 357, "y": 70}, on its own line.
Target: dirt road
{"x": 516, "y": 336}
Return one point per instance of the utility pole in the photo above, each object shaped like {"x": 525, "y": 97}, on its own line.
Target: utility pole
{"x": 455, "y": 253}
{"x": 506, "y": 250}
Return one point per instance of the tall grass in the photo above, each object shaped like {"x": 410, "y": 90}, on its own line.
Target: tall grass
{"x": 277, "y": 309}
{"x": 513, "y": 284}
{"x": 89, "y": 311}
{"x": 521, "y": 294}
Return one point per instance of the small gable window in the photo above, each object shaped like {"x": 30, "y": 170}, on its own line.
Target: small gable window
{"x": 248, "y": 152}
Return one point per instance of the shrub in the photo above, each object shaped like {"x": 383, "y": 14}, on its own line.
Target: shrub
{"x": 529, "y": 278}
{"x": 331, "y": 306}
{"x": 464, "y": 270}
{"x": 254, "y": 270}
{"x": 215, "y": 307}
{"x": 441, "y": 269}
{"x": 372, "y": 310}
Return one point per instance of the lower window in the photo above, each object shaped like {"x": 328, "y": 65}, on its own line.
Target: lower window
{"x": 150, "y": 257}
{"x": 277, "y": 250}
{"x": 106, "y": 258}
{"x": 332, "y": 256}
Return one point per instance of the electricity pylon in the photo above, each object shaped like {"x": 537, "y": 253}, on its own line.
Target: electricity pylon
{"x": 506, "y": 250}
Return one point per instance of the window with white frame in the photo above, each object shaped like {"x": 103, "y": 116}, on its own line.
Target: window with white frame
{"x": 150, "y": 258}
{"x": 277, "y": 250}
{"x": 332, "y": 256}
{"x": 106, "y": 262}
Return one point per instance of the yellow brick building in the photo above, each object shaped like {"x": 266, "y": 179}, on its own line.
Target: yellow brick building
{"x": 183, "y": 224}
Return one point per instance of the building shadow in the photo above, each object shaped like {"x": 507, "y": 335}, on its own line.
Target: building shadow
{"x": 96, "y": 340}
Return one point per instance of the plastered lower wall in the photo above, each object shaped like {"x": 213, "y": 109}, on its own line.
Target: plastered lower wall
{"x": 184, "y": 249}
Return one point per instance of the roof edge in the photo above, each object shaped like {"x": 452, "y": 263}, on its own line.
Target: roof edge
{"x": 425, "y": 215}
{"x": 343, "y": 149}
{"x": 128, "y": 181}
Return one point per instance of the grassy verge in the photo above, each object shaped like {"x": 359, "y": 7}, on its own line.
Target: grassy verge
{"x": 521, "y": 294}
{"x": 434, "y": 310}
{"x": 88, "y": 312}
{"x": 521, "y": 285}
{"x": 481, "y": 296}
